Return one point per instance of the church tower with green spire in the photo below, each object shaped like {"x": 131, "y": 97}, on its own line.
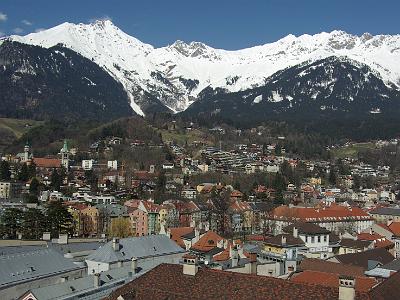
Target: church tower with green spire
{"x": 65, "y": 155}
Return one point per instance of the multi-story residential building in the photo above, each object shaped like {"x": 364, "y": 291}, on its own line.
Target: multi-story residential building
{"x": 189, "y": 192}
{"x": 152, "y": 210}
{"x": 138, "y": 219}
{"x": 168, "y": 216}
{"x": 240, "y": 216}
{"x": 75, "y": 209}
{"x": 316, "y": 240}
{"x": 108, "y": 213}
{"x": 10, "y": 189}
{"x": 90, "y": 216}
{"x": 334, "y": 218}
{"x": 386, "y": 214}
{"x": 282, "y": 250}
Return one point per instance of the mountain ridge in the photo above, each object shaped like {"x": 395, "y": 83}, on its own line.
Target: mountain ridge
{"x": 172, "y": 77}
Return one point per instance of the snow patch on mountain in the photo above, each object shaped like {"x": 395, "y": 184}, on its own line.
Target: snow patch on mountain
{"x": 258, "y": 99}
{"x": 177, "y": 73}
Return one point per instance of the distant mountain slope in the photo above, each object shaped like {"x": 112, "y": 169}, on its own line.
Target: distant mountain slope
{"x": 42, "y": 83}
{"x": 331, "y": 88}
{"x": 174, "y": 76}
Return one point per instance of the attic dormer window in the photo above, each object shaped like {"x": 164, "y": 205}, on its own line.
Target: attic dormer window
{"x": 210, "y": 242}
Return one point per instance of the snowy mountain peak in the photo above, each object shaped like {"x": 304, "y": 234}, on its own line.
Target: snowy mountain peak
{"x": 175, "y": 75}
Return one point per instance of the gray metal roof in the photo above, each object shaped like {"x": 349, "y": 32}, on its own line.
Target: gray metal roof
{"x": 76, "y": 247}
{"x": 85, "y": 285}
{"x": 83, "y": 288}
{"x": 390, "y": 211}
{"x": 31, "y": 265}
{"x": 18, "y": 249}
{"x": 139, "y": 247}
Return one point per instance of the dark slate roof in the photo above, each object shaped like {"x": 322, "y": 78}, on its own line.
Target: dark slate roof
{"x": 189, "y": 236}
{"x": 333, "y": 238}
{"x": 364, "y": 259}
{"x": 306, "y": 228}
{"x": 260, "y": 206}
{"x": 290, "y": 241}
{"x": 32, "y": 265}
{"x": 355, "y": 244}
{"x": 168, "y": 282}
{"x": 390, "y": 211}
{"x": 139, "y": 247}
{"x": 393, "y": 265}
{"x": 388, "y": 289}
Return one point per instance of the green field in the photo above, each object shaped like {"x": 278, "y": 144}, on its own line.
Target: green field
{"x": 12, "y": 129}
{"x": 16, "y": 126}
{"x": 183, "y": 138}
{"x": 352, "y": 150}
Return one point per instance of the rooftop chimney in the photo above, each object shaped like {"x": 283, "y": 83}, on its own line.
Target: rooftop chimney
{"x": 190, "y": 265}
{"x": 283, "y": 240}
{"x": 347, "y": 288}
{"x": 96, "y": 280}
{"x": 120, "y": 263}
{"x": 295, "y": 232}
{"x": 235, "y": 257}
{"x": 115, "y": 244}
{"x": 134, "y": 265}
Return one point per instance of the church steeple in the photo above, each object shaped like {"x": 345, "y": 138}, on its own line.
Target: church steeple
{"x": 65, "y": 155}
{"x": 26, "y": 151}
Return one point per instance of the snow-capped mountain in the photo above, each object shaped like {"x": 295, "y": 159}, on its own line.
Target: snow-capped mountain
{"x": 57, "y": 83}
{"x": 177, "y": 74}
{"x": 331, "y": 86}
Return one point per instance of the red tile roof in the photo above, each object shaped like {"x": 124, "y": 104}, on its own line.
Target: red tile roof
{"x": 365, "y": 236}
{"x": 207, "y": 242}
{"x": 313, "y": 264}
{"x": 395, "y": 228}
{"x": 177, "y": 233}
{"x": 47, "y": 162}
{"x": 363, "y": 284}
{"x": 151, "y": 207}
{"x": 167, "y": 281}
{"x": 379, "y": 240}
{"x": 309, "y": 214}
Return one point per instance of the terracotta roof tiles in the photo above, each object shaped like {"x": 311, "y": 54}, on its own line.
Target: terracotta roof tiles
{"x": 167, "y": 281}
{"x": 363, "y": 284}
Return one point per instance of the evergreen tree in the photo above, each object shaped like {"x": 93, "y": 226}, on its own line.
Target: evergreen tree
{"x": 11, "y": 221}
{"x": 33, "y": 224}
{"x": 278, "y": 200}
{"x": 279, "y": 182}
{"x": 23, "y": 174}
{"x": 91, "y": 179}
{"x": 58, "y": 219}
{"x": 55, "y": 180}
{"x": 332, "y": 177}
{"x": 34, "y": 186}
{"x": 32, "y": 170}
{"x": 5, "y": 173}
